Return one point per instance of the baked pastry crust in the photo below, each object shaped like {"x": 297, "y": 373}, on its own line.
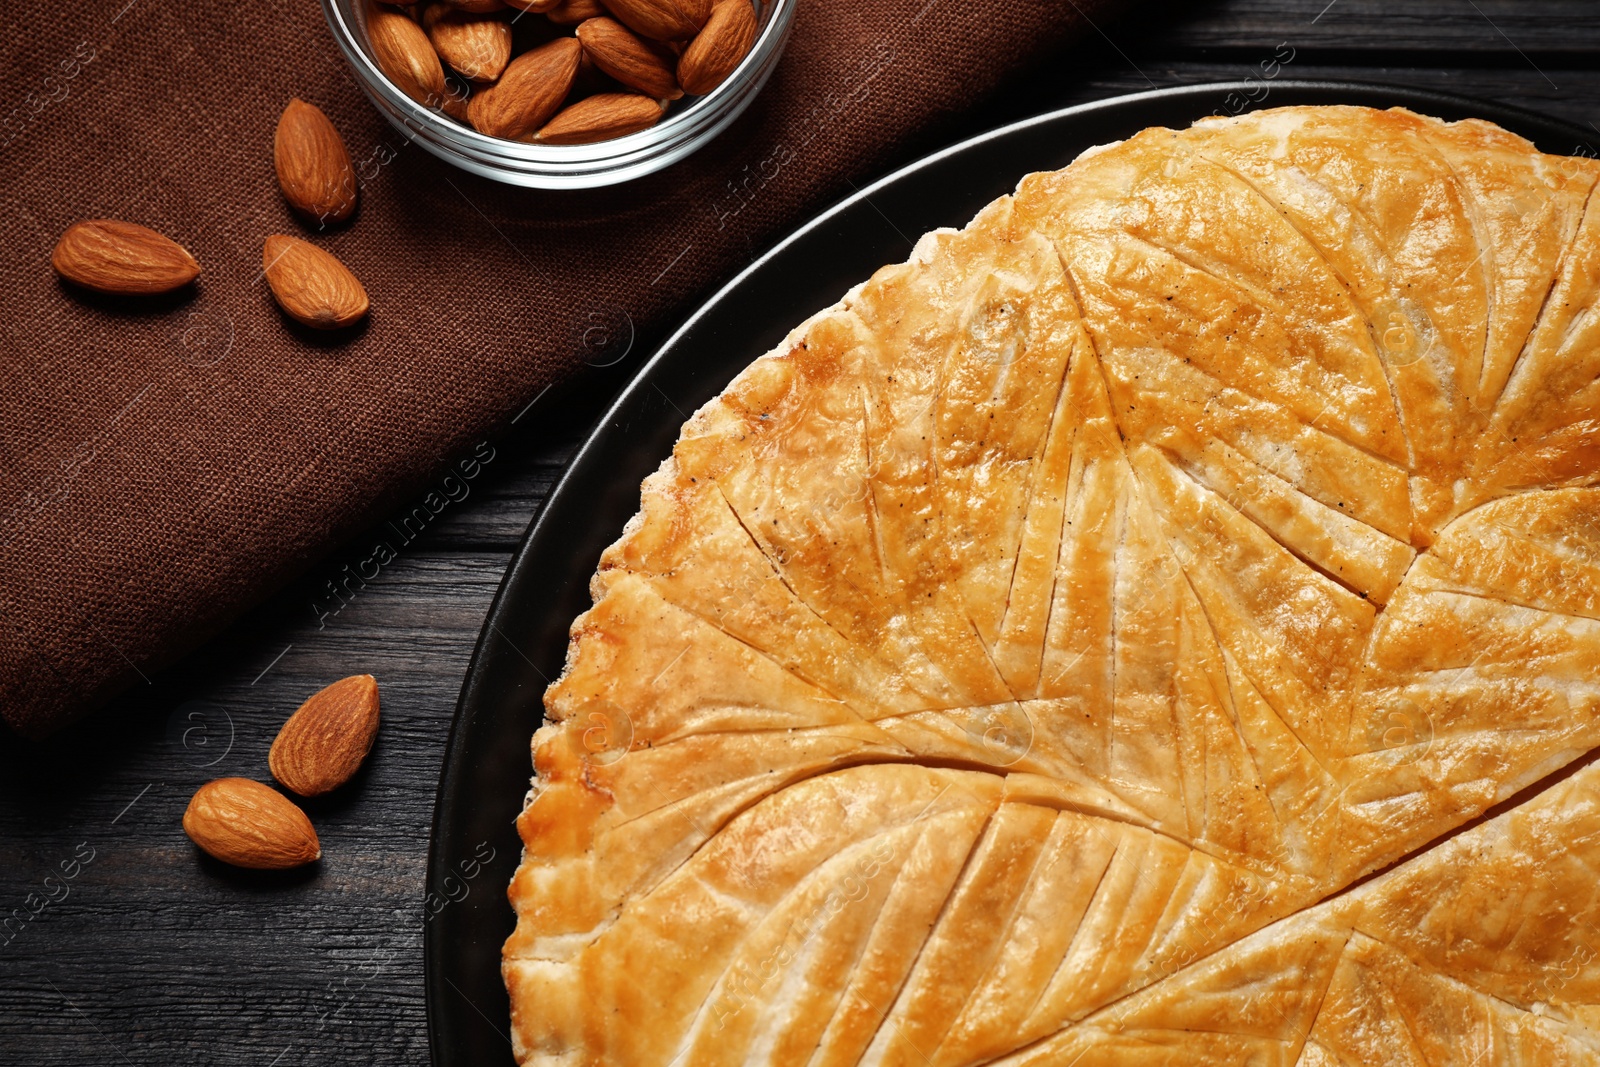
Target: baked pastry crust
{"x": 1019, "y": 662}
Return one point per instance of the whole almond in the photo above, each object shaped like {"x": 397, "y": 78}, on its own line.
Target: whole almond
{"x": 529, "y": 92}
{"x": 573, "y": 12}
{"x": 661, "y": 20}
{"x": 313, "y": 164}
{"x": 479, "y": 46}
{"x": 533, "y": 5}
{"x": 600, "y": 118}
{"x": 122, "y": 258}
{"x": 617, "y": 51}
{"x": 479, "y": 7}
{"x": 251, "y": 825}
{"x": 405, "y": 55}
{"x": 311, "y": 285}
{"x": 322, "y": 745}
{"x": 718, "y": 49}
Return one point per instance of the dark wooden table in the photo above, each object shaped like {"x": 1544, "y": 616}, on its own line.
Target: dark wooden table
{"x": 153, "y": 954}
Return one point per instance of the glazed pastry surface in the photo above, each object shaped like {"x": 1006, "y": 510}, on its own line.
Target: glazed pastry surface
{"x": 1022, "y": 662}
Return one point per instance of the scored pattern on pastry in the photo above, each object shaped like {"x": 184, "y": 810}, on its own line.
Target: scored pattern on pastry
{"x": 1483, "y": 950}
{"x": 1020, "y": 660}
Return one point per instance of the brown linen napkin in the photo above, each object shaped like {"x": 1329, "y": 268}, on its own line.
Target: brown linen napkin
{"x": 164, "y": 466}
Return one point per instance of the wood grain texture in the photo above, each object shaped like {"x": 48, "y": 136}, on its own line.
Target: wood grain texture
{"x": 156, "y": 954}
{"x": 1488, "y": 28}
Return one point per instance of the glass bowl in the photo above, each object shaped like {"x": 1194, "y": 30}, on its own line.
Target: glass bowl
{"x": 688, "y": 125}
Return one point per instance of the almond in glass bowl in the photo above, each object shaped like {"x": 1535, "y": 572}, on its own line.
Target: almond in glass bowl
{"x": 642, "y": 84}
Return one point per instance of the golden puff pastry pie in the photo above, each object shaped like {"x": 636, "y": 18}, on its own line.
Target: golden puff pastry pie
{"x": 1037, "y": 657}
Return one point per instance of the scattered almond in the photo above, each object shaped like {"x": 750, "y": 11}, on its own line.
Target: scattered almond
{"x": 601, "y": 117}
{"x": 313, "y": 165}
{"x": 122, "y": 258}
{"x": 719, "y": 48}
{"x": 573, "y": 12}
{"x": 479, "y": 46}
{"x": 528, "y": 93}
{"x": 661, "y": 20}
{"x": 405, "y": 55}
{"x": 248, "y": 824}
{"x": 322, "y": 745}
{"x": 311, "y": 285}
{"x": 479, "y": 7}
{"x": 625, "y": 57}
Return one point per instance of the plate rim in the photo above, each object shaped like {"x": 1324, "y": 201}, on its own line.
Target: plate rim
{"x": 544, "y": 523}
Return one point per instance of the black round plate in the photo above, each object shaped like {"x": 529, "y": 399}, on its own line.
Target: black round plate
{"x": 487, "y": 763}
